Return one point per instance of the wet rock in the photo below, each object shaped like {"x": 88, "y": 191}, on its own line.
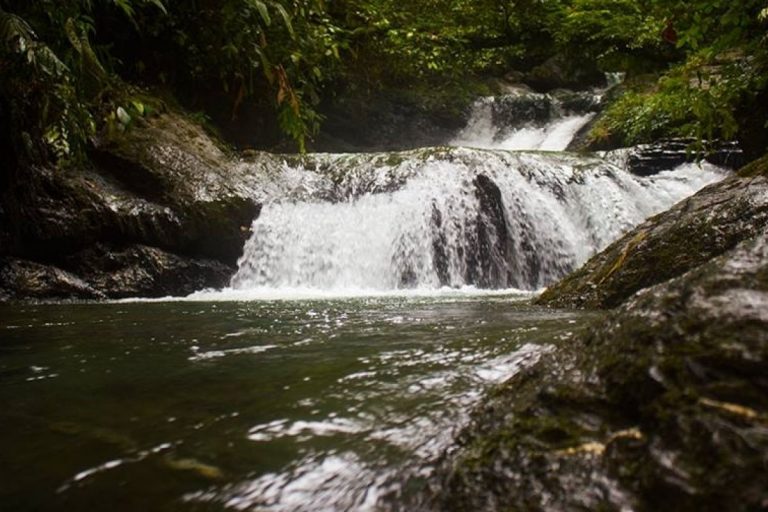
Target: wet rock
{"x": 439, "y": 247}
{"x": 649, "y": 159}
{"x": 488, "y": 255}
{"x": 172, "y": 162}
{"x": 578, "y": 102}
{"x": 487, "y": 250}
{"x": 388, "y": 121}
{"x": 518, "y": 110}
{"x": 164, "y": 193}
{"x": 22, "y": 279}
{"x": 142, "y": 271}
{"x": 703, "y": 226}
{"x": 558, "y": 73}
{"x": 661, "y": 405}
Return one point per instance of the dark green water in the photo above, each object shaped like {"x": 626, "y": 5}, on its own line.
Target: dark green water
{"x": 264, "y": 405}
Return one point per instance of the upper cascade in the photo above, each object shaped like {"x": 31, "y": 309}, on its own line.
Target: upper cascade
{"x": 524, "y": 120}
{"x": 450, "y": 217}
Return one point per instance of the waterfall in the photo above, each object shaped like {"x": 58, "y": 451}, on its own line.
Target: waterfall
{"x": 525, "y": 120}
{"x": 452, "y": 217}
{"x": 472, "y": 214}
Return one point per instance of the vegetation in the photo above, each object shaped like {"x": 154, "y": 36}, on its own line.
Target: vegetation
{"x": 66, "y": 64}
{"x": 718, "y": 70}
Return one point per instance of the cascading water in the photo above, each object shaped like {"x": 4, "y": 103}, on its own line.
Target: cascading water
{"x": 452, "y": 217}
{"x": 480, "y": 216}
{"x": 527, "y": 121}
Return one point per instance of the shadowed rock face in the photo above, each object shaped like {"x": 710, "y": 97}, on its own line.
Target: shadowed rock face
{"x": 489, "y": 256}
{"x": 103, "y": 271}
{"x": 492, "y": 245}
{"x": 662, "y": 405}
{"x": 703, "y": 226}
{"x": 489, "y": 249}
{"x": 163, "y": 203}
{"x": 649, "y": 159}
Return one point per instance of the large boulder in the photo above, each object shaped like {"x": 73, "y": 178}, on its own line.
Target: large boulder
{"x": 661, "y": 405}
{"x": 22, "y": 279}
{"x": 695, "y": 230}
{"x": 172, "y": 162}
{"x": 163, "y": 193}
{"x": 143, "y": 271}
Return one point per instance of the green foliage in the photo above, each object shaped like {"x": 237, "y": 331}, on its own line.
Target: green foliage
{"x": 618, "y": 34}
{"x": 248, "y": 50}
{"x": 64, "y": 61}
{"x": 275, "y": 54}
{"x": 438, "y": 40}
{"x": 44, "y": 103}
{"x": 698, "y": 99}
{"x": 713, "y": 25}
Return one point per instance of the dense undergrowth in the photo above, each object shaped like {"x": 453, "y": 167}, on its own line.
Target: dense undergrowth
{"x": 72, "y": 68}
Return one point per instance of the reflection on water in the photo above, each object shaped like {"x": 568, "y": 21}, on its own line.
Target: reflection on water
{"x": 265, "y": 405}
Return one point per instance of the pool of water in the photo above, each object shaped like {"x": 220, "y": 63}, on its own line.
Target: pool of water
{"x": 276, "y": 405}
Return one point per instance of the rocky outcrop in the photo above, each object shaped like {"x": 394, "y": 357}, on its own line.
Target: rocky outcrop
{"x": 161, "y": 210}
{"x": 649, "y": 159}
{"x": 661, "y": 405}
{"x": 142, "y": 271}
{"x": 699, "y": 228}
{"x": 102, "y": 272}
{"x": 22, "y": 279}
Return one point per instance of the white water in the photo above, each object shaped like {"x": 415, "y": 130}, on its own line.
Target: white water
{"x": 554, "y": 135}
{"x": 453, "y": 220}
{"x": 558, "y": 210}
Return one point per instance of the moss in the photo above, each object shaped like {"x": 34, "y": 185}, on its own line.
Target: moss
{"x": 757, "y": 168}
{"x": 394, "y": 159}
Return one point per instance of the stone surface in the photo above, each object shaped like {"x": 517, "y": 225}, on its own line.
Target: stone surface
{"x": 388, "y": 121}
{"x": 559, "y": 73}
{"x": 650, "y": 159}
{"x": 163, "y": 194}
{"x": 22, "y": 279}
{"x": 142, "y": 271}
{"x": 661, "y": 405}
{"x": 703, "y": 226}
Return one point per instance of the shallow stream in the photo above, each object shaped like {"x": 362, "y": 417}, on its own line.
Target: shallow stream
{"x": 264, "y": 405}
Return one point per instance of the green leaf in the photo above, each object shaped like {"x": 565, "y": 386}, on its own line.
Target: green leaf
{"x": 138, "y": 107}
{"x": 123, "y": 116}
{"x": 263, "y": 11}
{"x": 160, "y": 5}
{"x": 286, "y": 19}
{"x": 126, "y": 7}
{"x": 266, "y": 65}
